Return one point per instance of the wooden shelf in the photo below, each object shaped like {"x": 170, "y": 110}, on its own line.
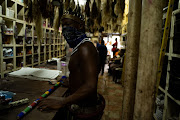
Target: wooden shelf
{"x": 18, "y": 20}
{"x": 20, "y": 56}
{"x": 28, "y": 65}
{"x": 9, "y": 34}
{"x": 7, "y": 45}
{"x": 8, "y": 57}
{"x": 35, "y": 63}
{"x": 28, "y": 54}
{"x": 29, "y": 45}
{"x": 19, "y": 45}
{"x": 7, "y": 18}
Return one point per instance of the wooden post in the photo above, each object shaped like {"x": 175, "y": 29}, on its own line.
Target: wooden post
{"x": 150, "y": 41}
{"x": 131, "y": 62}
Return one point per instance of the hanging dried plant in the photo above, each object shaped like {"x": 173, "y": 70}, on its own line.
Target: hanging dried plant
{"x": 106, "y": 13}
{"x": 99, "y": 18}
{"x": 37, "y": 18}
{"x": 46, "y": 8}
{"x": 94, "y": 11}
{"x": 98, "y": 4}
{"x": 87, "y": 8}
{"x": 61, "y": 10}
{"x": 29, "y": 14}
{"x": 72, "y": 5}
{"x": 26, "y": 2}
{"x": 66, "y": 4}
{"x": 56, "y": 19}
{"x": 38, "y": 24}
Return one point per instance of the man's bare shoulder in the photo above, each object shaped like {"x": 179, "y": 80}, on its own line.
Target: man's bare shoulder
{"x": 87, "y": 48}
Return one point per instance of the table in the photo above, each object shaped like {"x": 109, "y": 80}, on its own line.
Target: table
{"x": 31, "y": 89}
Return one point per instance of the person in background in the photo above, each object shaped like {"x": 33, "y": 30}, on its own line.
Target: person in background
{"x": 102, "y": 54}
{"x": 114, "y": 49}
{"x": 97, "y": 43}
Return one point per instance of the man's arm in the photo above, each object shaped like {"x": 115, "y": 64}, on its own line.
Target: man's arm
{"x": 89, "y": 71}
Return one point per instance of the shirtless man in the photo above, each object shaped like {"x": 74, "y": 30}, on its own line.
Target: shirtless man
{"x": 83, "y": 68}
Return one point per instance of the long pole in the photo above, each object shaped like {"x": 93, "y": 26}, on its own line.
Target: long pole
{"x": 131, "y": 62}
{"x": 150, "y": 42}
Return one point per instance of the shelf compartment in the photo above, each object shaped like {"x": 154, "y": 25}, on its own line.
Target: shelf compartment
{"x": 35, "y": 58}
{"x": 28, "y": 60}
{"x": 42, "y": 49}
{"x": 7, "y": 52}
{"x": 20, "y": 29}
{"x": 9, "y": 28}
{"x": 29, "y": 50}
{"x": 172, "y": 110}
{"x": 28, "y": 31}
{"x": 10, "y": 10}
{"x": 7, "y": 40}
{"x": 2, "y": 7}
{"x": 35, "y": 49}
{"x": 9, "y": 64}
{"x": 19, "y": 40}
{"x": 19, "y": 62}
{"x": 47, "y": 56}
{"x": 19, "y": 51}
{"x": 20, "y": 12}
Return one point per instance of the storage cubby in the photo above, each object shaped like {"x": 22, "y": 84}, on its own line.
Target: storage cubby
{"x": 20, "y": 29}
{"x": 35, "y": 59}
{"x": 29, "y": 50}
{"x": 41, "y": 57}
{"x": 19, "y": 51}
{"x": 9, "y": 64}
{"x": 7, "y": 52}
{"x": 8, "y": 27}
{"x": 47, "y": 56}
{"x": 42, "y": 49}
{"x": 47, "y": 48}
{"x": 19, "y": 40}
{"x": 19, "y": 62}
{"x": 164, "y": 73}
{"x": 20, "y": 12}
{"x": 11, "y": 8}
{"x": 28, "y": 60}
{"x": 172, "y": 110}
{"x": 35, "y": 49}
{"x": 2, "y": 7}
{"x": 25, "y": 14}
{"x": 7, "y": 39}
{"x": 35, "y": 40}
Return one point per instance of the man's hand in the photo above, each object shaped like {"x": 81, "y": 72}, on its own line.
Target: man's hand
{"x": 64, "y": 81}
{"x": 51, "y": 103}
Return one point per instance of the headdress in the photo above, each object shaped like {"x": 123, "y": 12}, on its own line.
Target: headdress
{"x": 72, "y": 11}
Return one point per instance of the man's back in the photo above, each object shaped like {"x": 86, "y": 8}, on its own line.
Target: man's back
{"x": 83, "y": 68}
{"x": 102, "y": 52}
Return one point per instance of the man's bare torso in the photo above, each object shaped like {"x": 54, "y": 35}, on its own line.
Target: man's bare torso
{"x": 76, "y": 77}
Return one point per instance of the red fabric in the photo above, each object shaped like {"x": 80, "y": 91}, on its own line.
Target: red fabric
{"x": 113, "y": 49}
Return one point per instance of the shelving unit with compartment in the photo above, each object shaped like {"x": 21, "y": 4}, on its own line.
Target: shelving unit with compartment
{"x": 170, "y": 79}
{"x": 21, "y": 42}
